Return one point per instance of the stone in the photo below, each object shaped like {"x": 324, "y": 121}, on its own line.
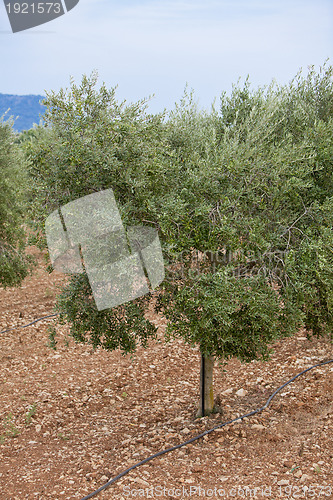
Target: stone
{"x": 141, "y": 481}
{"x": 305, "y": 477}
{"x": 241, "y": 392}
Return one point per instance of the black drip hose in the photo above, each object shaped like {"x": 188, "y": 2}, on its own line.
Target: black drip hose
{"x": 24, "y": 326}
{"x": 163, "y": 452}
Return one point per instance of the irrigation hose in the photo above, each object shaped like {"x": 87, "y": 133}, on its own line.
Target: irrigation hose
{"x": 24, "y": 326}
{"x": 163, "y": 452}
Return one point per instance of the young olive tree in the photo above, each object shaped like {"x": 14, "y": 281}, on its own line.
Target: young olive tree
{"x": 241, "y": 203}
{"x": 93, "y": 143}
{"x": 255, "y": 238}
{"x": 14, "y": 264}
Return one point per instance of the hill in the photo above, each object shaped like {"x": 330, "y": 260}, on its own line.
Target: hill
{"x": 25, "y": 109}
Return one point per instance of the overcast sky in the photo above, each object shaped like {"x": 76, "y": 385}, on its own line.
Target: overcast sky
{"x": 157, "y": 46}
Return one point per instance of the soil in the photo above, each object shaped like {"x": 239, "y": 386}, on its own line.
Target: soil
{"x": 73, "y": 418}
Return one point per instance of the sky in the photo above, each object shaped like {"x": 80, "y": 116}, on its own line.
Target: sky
{"x": 158, "y": 47}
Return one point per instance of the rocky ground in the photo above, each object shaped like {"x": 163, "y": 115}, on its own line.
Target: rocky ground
{"x": 71, "y": 419}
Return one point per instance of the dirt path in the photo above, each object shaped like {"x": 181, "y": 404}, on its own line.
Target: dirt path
{"x": 71, "y": 419}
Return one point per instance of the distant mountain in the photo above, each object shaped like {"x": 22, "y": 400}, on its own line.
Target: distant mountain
{"x": 25, "y": 109}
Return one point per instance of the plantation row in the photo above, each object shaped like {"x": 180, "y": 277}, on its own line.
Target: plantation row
{"x": 247, "y": 187}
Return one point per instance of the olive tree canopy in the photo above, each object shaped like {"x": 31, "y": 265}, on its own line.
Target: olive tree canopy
{"x": 241, "y": 197}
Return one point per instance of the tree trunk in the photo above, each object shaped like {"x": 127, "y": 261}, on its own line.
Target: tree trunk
{"x": 206, "y": 405}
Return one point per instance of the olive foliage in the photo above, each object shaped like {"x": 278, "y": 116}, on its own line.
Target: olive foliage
{"x": 14, "y": 263}
{"x": 241, "y": 197}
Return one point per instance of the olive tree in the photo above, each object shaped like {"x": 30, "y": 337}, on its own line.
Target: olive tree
{"x": 14, "y": 264}
{"x": 240, "y": 198}
{"x": 255, "y": 238}
{"x": 91, "y": 143}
